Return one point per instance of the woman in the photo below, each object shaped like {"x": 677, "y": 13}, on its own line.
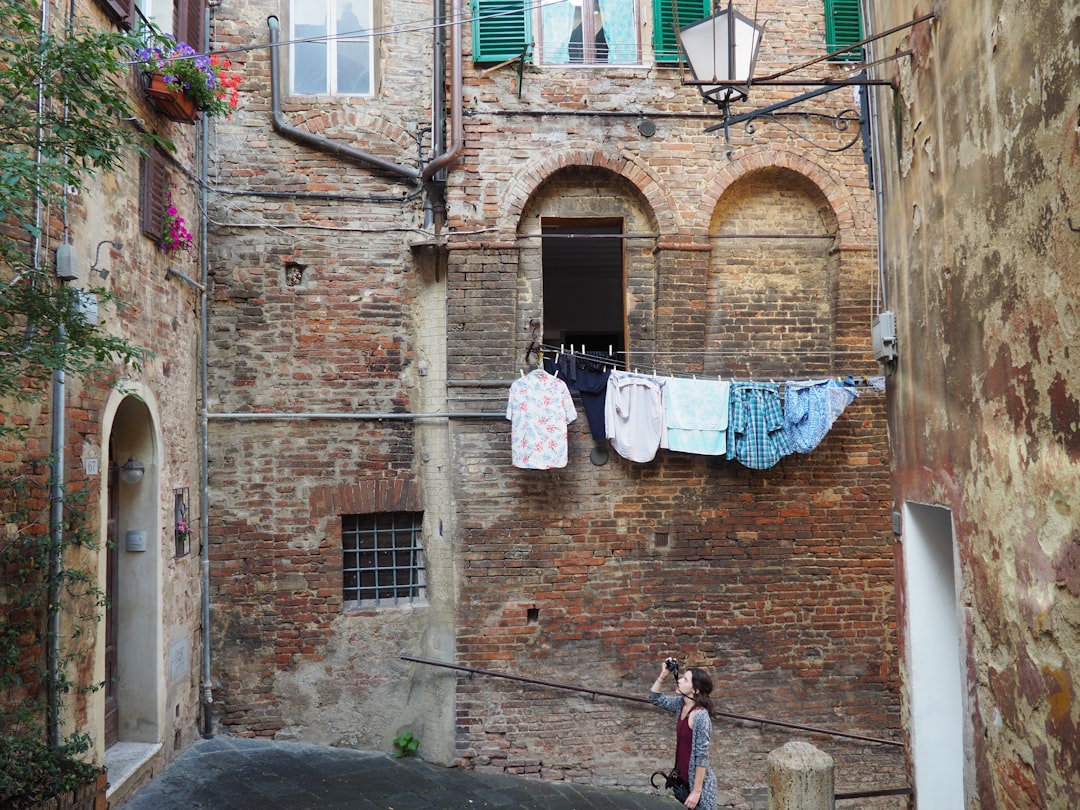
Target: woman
{"x": 694, "y": 710}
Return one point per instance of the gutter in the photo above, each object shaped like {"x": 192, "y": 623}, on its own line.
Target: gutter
{"x": 204, "y": 429}
{"x": 457, "y": 137}
{"x": 302, "y": 136}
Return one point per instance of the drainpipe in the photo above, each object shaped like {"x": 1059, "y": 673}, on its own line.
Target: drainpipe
{"x": 353, "y": 155}
{"x": 282, "y": 127}
{"x": 204, "y": 455}
{"x": 457, "y": 126}
{"x": 56, "y": 468}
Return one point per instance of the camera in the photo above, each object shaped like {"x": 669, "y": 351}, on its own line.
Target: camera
{"x": 673, "y": 666}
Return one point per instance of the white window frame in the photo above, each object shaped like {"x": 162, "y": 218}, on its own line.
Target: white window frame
{"x": 161, "y": 13}
{"x": 332, "y": 41}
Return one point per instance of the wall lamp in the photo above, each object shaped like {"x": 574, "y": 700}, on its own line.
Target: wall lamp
{"x": 97, "y": 255}
{"x": 722, "y": 50}
{"x": 132, "y": 471}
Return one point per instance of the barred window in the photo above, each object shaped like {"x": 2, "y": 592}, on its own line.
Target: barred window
{"x": 383, "y": 558}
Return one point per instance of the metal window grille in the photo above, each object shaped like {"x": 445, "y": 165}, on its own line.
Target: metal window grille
{"x": 383, "y": 558}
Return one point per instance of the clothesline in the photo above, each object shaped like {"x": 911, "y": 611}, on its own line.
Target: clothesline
{"x": 640, "y": 414}
{"x": 873, "y": 382}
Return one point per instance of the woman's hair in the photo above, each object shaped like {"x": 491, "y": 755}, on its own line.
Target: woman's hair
{"x": 702, "y": 684}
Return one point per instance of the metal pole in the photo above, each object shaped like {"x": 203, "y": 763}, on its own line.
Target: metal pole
{"x": 589, "y": 691}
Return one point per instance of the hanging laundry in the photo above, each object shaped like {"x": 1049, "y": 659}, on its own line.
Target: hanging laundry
{"x": 539, "y": 409}
{"x": 588, "y": 376}
{"x": 810, "y": 409}
{"x": 756, "y": 425}
{"x": 877, "y": 383}
{"x": 696, "y": 414}
{"x": 634, "y": 415}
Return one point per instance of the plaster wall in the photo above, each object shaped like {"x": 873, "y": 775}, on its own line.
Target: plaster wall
{"x": 980, "y": 176}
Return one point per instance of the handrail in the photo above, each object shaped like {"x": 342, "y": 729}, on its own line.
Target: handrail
{"x": 636, "y": 699}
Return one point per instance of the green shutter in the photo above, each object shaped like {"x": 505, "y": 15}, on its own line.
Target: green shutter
{"x": 501, "y": 29}
{"x": 668, "y": 17}
{"x": 843, "y": 26}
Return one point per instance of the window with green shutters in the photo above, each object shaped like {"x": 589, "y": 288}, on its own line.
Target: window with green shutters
{"x": 668, "y": 17}
{"x": 843, "y": 27}
{"x": 501, "y": 29}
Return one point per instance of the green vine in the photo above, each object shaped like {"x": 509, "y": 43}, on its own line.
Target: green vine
{"x": 31, "y": 769}
{"x": 50, "y": 145}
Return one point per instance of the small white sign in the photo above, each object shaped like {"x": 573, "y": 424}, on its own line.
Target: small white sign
{"x": 90, "y": 466}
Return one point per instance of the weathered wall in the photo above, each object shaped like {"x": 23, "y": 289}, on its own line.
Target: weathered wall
{"x": 982, "y": 178}
{"x": 756, "y": 260}
{"x": 159, "y": 314}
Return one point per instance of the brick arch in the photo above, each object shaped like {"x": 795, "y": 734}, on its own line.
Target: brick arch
{"x": 523, "y": 187}
{"x": 367, "y": 497}
{"x": 353, "y": 128}
{"x": 852, "y": 225}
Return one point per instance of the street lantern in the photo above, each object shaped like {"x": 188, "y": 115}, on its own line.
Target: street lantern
{"x": 722, "y": 48}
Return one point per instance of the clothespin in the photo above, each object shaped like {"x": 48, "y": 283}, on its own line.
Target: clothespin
{"x": 522, "y": 373}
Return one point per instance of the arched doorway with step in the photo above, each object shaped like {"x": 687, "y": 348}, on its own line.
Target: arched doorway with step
{"x": 130, "y": 571}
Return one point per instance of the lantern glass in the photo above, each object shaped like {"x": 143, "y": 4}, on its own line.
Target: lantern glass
{"x": 722, "y": 48}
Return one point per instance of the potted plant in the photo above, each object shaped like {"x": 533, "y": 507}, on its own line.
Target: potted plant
{"x": 181, "y": 82}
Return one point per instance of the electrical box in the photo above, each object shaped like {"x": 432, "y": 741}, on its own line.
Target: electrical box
{"x": 883, "y": 336}
{"x": 66, "y": 267}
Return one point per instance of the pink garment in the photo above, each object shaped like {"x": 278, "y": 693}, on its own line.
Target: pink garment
{"x": 634, "y": 415}
{"x": 539, "y": 409}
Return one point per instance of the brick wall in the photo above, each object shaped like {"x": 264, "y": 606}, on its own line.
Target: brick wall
{"x": 754, "y": 258}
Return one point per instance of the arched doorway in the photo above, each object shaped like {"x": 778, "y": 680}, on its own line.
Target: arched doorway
{"x": 131, "y": 571}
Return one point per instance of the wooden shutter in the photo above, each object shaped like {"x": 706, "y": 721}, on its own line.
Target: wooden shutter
{"x": 501, "y": 29}
{"x": 188, "y": 22}
{"x": 152, "y": 179}
{"x": 119, "y": 12}
{"x": 843, "y": 26}
{"x": 668, "y": 17}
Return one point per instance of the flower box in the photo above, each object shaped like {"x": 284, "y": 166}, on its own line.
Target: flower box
{"x": 170, "y": 100}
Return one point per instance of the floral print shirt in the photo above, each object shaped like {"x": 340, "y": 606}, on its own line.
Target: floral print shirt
{"x": 539, "y": 409}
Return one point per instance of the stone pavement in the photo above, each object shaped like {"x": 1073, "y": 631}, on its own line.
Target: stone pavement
{"x": 231, "y": 773}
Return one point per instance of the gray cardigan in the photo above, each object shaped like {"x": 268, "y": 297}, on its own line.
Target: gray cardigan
{"x": 699, "y": 749}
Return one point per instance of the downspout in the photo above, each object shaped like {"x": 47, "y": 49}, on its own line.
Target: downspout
{"x": 204, "y": 464}
{"x": 282, "y": 127}
{"x": 56, "y": 467}
{"x": 457, "y": 126}
{"x": 435, "y": 199}
{"x": 353, "y": 155}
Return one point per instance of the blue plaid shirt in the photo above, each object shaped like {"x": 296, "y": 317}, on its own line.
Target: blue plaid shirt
{"x": 756, "y": 425}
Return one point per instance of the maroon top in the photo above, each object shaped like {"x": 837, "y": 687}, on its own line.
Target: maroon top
{"x": 684, "y": 741}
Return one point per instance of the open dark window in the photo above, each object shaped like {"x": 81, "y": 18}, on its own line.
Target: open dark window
{"x": 382, "y": 558}
{"x": 584, "y": 284}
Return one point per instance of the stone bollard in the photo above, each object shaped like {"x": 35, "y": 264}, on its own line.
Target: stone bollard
{"x": 800, "y": 777}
